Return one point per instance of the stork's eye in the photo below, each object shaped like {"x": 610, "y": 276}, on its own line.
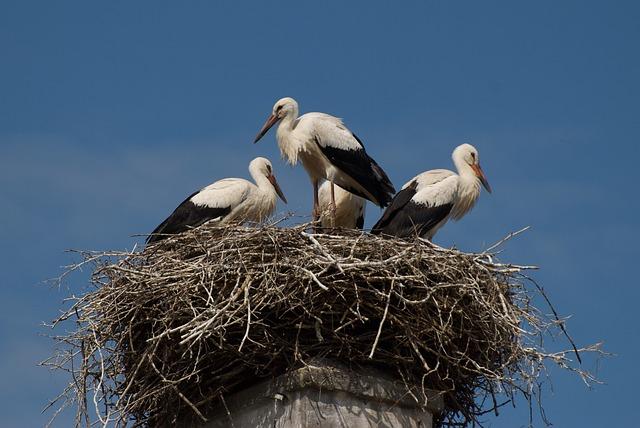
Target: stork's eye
{"x": 269, "y": 168}
{"x": 279, "y": 108}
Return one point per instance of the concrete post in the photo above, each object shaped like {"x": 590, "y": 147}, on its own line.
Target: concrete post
{"x": 326, "y": 395}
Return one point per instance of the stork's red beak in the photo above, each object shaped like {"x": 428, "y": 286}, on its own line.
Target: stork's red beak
{"x": 267, "y": 125}
{"x": 274, "y": 182}
{"x": 480, "y": 174}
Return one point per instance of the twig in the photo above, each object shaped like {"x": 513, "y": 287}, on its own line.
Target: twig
{"x": 384, "y": 317}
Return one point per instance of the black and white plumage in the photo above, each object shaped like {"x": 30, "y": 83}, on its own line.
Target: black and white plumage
{"x": 329, "y": 151}
{"x": 429, "y": 199}
{"x": 226, "y": 201}
{"x": 348, "y": 211}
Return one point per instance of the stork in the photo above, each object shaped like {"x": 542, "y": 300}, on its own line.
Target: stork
{"x": 429, "y": 199}
{"x": 327, "y": 150}
{"x": 226, "y": 201}
{"x": 347, "y": 211}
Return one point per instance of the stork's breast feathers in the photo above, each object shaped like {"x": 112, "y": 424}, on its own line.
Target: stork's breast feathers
{"x": 466, "y": 197}
{"x": 256, "y": 208}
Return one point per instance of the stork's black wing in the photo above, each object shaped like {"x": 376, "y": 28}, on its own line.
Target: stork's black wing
{"x": 405, "y": 218}
{"x": 397, "y": 203}
{"x": 186, "y": 215}
{"x": 358, "y": 165}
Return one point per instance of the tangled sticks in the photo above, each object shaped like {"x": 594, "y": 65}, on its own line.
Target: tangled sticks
{"x": 169, "y": 331}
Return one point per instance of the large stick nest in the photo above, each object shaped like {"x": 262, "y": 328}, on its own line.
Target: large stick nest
{"x": 169, "y": 331}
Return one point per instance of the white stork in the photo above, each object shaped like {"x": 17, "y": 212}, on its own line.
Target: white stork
{"x": 327, "y": 150}
{"x": 225, "y": 201}
{"x": 429, "y": 199}
{"x": 347, "y": 211}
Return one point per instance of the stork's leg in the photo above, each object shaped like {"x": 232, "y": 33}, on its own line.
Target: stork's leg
{"x": 316, "y": 210}
{"x": 333, "y": 205}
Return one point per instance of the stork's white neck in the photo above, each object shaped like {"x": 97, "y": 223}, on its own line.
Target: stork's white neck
{"x": 264, "y": 197}
{"x": 260, "y": 178}
{"x": 288, "y": 121}
{"x": 468, "y": 188}
{"x": 288, "y": 144}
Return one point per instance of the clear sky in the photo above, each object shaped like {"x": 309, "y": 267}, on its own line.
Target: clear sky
{"x": 112, "y": 112}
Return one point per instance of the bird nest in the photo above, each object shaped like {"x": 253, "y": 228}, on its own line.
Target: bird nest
{"x": 166, "y": 333}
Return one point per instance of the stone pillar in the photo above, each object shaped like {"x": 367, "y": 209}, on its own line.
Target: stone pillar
{"x": 329, "y": 396}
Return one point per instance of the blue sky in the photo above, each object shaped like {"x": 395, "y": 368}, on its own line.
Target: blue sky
{"x": 111, "y": 113}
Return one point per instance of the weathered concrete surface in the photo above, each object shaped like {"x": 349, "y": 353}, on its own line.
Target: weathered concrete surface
{"x": 326, "y": 395}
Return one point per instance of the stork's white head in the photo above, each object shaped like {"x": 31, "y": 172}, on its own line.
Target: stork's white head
{"x": 261, "y": 167}
{"x": 284, "y": 107}
{"x": 466, "y": 156}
